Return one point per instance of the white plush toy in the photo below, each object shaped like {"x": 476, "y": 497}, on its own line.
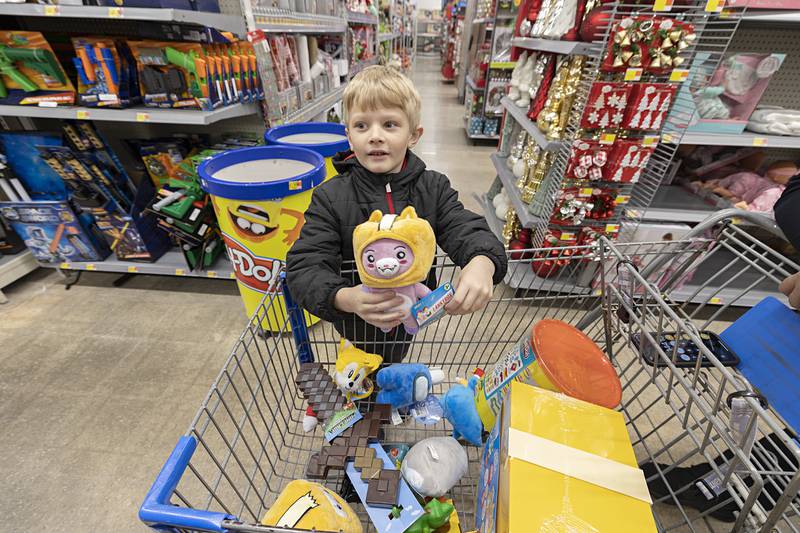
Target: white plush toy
{"x": 513, "y": 93}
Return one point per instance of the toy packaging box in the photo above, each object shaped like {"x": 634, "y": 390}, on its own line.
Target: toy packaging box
{"x": 724, "y": 104}
{"x": 40, "y": 181}
{"x": 30, "y": 72}
{"x": 52, "y": 231}
{"x": 555, "y": 463}
{"x": 107, "y": 74}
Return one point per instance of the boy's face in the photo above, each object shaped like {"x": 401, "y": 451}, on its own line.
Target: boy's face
{"x": 380, "y": 138}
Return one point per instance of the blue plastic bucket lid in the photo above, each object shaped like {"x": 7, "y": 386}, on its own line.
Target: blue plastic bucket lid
{"x": 261, "y": 172}
{"x": 325, "y": 143}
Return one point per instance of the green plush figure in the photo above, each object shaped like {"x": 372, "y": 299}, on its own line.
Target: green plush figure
{"x": 436, "y": 515}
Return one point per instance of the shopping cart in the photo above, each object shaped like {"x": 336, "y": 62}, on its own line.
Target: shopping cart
{"x": 246, "y": 441}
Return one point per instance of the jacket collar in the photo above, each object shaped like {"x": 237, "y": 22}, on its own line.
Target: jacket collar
{"x": 369, "y": 181}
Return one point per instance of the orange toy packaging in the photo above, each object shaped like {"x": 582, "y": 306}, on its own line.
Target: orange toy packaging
{"x": 174, "y": 74}
{"x": 30, "y": 72}
{"x": 106, "y": 73}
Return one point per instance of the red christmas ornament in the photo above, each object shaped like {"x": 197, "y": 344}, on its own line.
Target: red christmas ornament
{"x": 594, "y": 24}
{"x": 551, "y": 262}
{"x": 518, "y": 245}
{"x": 524, "y": 236}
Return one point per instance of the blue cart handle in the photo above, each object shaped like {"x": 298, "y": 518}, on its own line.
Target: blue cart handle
{"x": 156, "y": 511}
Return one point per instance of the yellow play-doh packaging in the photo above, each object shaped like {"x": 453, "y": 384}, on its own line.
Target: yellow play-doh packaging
{"x": 260, "y": 195}
{"x": 555, "y": 463}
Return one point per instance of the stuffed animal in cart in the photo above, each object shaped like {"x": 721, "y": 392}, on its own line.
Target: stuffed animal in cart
{"x": 353, "y": 367}
{"x": 461, "y": 412}
{"x": 404, "y": 384}
{"x": 395, "y": 253}
{"x": 308, "y": 505}
{"x": 437, "y": 514}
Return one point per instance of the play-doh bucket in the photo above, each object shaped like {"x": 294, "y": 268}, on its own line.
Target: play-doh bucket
{"x": 325, "y": 138}
{"x": 260, "y": 195}
{"x": 556, "y": 357}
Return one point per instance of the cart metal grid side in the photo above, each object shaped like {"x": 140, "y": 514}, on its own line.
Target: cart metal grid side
{"x": 246, "y": 441}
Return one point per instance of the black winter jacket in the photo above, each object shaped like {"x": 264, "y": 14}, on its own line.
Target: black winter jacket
{"x": 314, "y": 263}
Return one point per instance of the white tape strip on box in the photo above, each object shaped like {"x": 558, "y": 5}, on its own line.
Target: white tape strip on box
{"x": 578, "y": 464}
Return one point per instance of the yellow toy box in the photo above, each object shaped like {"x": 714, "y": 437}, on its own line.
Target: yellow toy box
{"x": 554, "y": 463}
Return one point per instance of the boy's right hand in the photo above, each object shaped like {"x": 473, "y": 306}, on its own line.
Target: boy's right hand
{"x": 381, "y": 309}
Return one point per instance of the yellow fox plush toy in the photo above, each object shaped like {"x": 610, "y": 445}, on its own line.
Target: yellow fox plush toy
{"x": 395, "y": 252}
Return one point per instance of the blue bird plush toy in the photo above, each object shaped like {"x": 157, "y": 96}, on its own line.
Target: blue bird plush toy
{"x": 460, "y": 411}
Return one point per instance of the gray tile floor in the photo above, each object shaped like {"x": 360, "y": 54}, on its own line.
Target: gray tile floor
{"x": 97, "y": 383}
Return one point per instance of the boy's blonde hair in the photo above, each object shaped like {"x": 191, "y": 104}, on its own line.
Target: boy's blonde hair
{"x": 378, "y": 87}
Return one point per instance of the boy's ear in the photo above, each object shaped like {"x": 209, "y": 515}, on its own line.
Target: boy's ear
{"x": 415, "y": 135}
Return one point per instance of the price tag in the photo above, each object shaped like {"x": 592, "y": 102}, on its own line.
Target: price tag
{"x": 232, "y": 275}
{"x": 633, "y": 213}
{"x": 759, "y": 141}
{"x": 211, "y": 274}
{"x": 115, "y": 13}
{"x": 715, "y": 300}
{"x": 82, "y": 114}
{"x": 679, "y": 75}
{"x": 133, "y": 269}
{"x": 662, "y": 5}
{"x": 650, "y": 140}
{"x": 586, "y": 191}
{"x": 633, "y": 74}
{"x": 180, "y": 272}
{"x": 612, "y": 228}
{"x": 91, "y": 266}
{"x": 64, "y": 266}
{"x": 725, "y": 14}
{"x": 567, "y": 236}
{"x": 621, "y": 199}
{"x": 715, "y": 6}
{"x": 667, "y": 138}
{"x": 142, "y": 117}
{"x": 52, "y": 11}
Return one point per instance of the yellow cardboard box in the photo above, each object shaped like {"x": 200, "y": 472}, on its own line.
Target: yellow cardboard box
{"x": 557, "y": 464}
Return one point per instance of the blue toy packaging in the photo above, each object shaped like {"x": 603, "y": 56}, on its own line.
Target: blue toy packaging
{"x": 52, "y": 232}
{"x": 431, "y": 307}
{"x": 486, "y": 506}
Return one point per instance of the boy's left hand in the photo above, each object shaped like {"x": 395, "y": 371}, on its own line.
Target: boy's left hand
{"x": 474, "y": 287}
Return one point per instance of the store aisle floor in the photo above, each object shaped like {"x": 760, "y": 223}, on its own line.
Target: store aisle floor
{"x": 97, "y": 383}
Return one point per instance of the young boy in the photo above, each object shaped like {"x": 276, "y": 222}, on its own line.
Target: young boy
{"x": 382, "y": 116}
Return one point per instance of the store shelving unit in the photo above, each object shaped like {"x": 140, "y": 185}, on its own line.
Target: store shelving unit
{"x": 232, "y": 23}
{"x": 361, "y": 18}
{"x": 553, "y": 46}
{"x": 508, "y": 180}
{"x": 281, "y": 21}
{"x": 746, "y": 138}
{"x": 428, "y": 35}
{"x": 521, "y": 116}
{"x": 13, "y": 267}
{"x": 152, "y": 115}
{"x": 673, "y": 203}
{"x": 170, "y": 264}
{"x": 474, "y": 86}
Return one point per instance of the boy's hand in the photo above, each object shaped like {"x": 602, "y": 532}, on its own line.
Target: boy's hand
{"x": 377, "y": 308}
{"x": 791, "y": 288}
{"x": 474, "y": 288}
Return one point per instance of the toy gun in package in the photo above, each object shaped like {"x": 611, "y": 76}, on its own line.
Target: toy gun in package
{"x": 106, "y": 72}
{"x": 38, "y": 59}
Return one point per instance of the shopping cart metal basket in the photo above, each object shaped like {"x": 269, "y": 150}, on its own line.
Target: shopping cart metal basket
{"x": 246, "y": 441}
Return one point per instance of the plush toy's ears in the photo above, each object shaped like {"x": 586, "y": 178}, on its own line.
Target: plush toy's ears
{"x": 376, "y": 216}
{"x": 344, "y": 343}
{"x": 408, "y": 212}
{"x": 374, "y": 361}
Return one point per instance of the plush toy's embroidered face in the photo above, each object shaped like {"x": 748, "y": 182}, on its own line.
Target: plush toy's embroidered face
{"x": 387, "y": 258}
{"x": 352, "y": 368}
{"x": 394, "y": 250}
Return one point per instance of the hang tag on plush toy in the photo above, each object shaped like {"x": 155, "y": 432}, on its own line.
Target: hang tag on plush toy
{"x": 395, "y": 253}
{"x": 427, "y": 412}
{"x": 431, "y": 307}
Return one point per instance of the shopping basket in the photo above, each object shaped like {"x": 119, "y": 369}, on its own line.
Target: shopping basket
{"x": 246, "y": 442}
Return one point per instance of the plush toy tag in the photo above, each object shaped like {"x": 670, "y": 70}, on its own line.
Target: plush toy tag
{"x": 431, "y": 307}
{"x": 428, "y": 411}
{"x": 341, "y": 421}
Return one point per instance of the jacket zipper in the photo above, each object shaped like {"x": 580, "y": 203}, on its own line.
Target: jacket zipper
{"x": 389, "y": 201}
